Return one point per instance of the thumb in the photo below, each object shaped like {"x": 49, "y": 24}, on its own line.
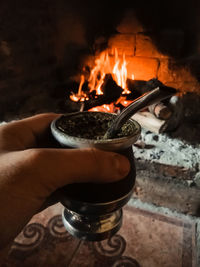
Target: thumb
{"x": 54, "y": 168}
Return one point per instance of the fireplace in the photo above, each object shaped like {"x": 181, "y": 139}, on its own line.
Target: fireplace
{"x": 48, "y": 51}
{"x": 41, "y": 60}
{"x": 47, "y": 47}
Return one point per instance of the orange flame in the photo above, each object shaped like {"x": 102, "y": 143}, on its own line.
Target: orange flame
{"x": 105, "y": 108}
{"x": 80, "y": 96}
{"x": 101, "y": 68}
{"x": 120, "y": 72}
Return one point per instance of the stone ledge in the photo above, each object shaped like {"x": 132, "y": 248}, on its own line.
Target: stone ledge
{"x": 167, "y": 186}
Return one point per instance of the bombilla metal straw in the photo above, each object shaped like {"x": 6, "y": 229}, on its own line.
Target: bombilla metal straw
{"x": 152, "y": 97}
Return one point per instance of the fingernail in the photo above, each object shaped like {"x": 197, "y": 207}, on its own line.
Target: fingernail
{"x": 122, "y": 165}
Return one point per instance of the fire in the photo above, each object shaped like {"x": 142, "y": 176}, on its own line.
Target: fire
{"x": 80, "y": 96}
{"x": 105, "y": 108}
{"x": 103, "y": 65}
{"x": 120, "y": 72}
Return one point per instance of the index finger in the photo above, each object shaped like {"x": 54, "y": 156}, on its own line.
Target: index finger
{"x": 25, "y": 133}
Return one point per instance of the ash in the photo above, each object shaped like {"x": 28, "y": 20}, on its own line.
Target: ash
{"x": 160, "y": 148}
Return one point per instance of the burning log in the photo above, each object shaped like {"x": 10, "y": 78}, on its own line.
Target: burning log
{"x": 110, "y": 88}
{"x": 98, "y": 101}
{"x": 140, "y": 87}
{"x": 70, "y": 106}
{"x": 136, "y": 88}
{"x": 111, "y": 92}
{"x": 160, "y": 117}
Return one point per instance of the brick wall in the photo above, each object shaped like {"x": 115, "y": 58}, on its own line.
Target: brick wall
{"x": 146, "y": 61}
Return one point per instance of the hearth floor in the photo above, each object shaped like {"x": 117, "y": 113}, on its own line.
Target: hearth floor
{"x": 146, "y": 239}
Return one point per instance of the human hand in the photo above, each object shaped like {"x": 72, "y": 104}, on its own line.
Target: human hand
{"x": 30, "y": 172}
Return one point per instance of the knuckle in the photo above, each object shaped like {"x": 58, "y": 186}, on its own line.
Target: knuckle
{"x": 46, "y": 115}
{"x": 7, "y": 132}
{"x": 4, "y": 129}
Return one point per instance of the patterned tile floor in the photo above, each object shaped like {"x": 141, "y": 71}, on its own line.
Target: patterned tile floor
{"x": 146, "y": 239}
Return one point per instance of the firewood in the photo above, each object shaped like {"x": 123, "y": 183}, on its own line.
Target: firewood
{"x": 139, "y": 87}
{"x": 110, "y": 88}
{"x": 98, "y": 101}
{"x": 150, "y": 122}
{"x": 70, "y": 106}
{"x": 160, "y": 110}
{"x": 111, "y": 92}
